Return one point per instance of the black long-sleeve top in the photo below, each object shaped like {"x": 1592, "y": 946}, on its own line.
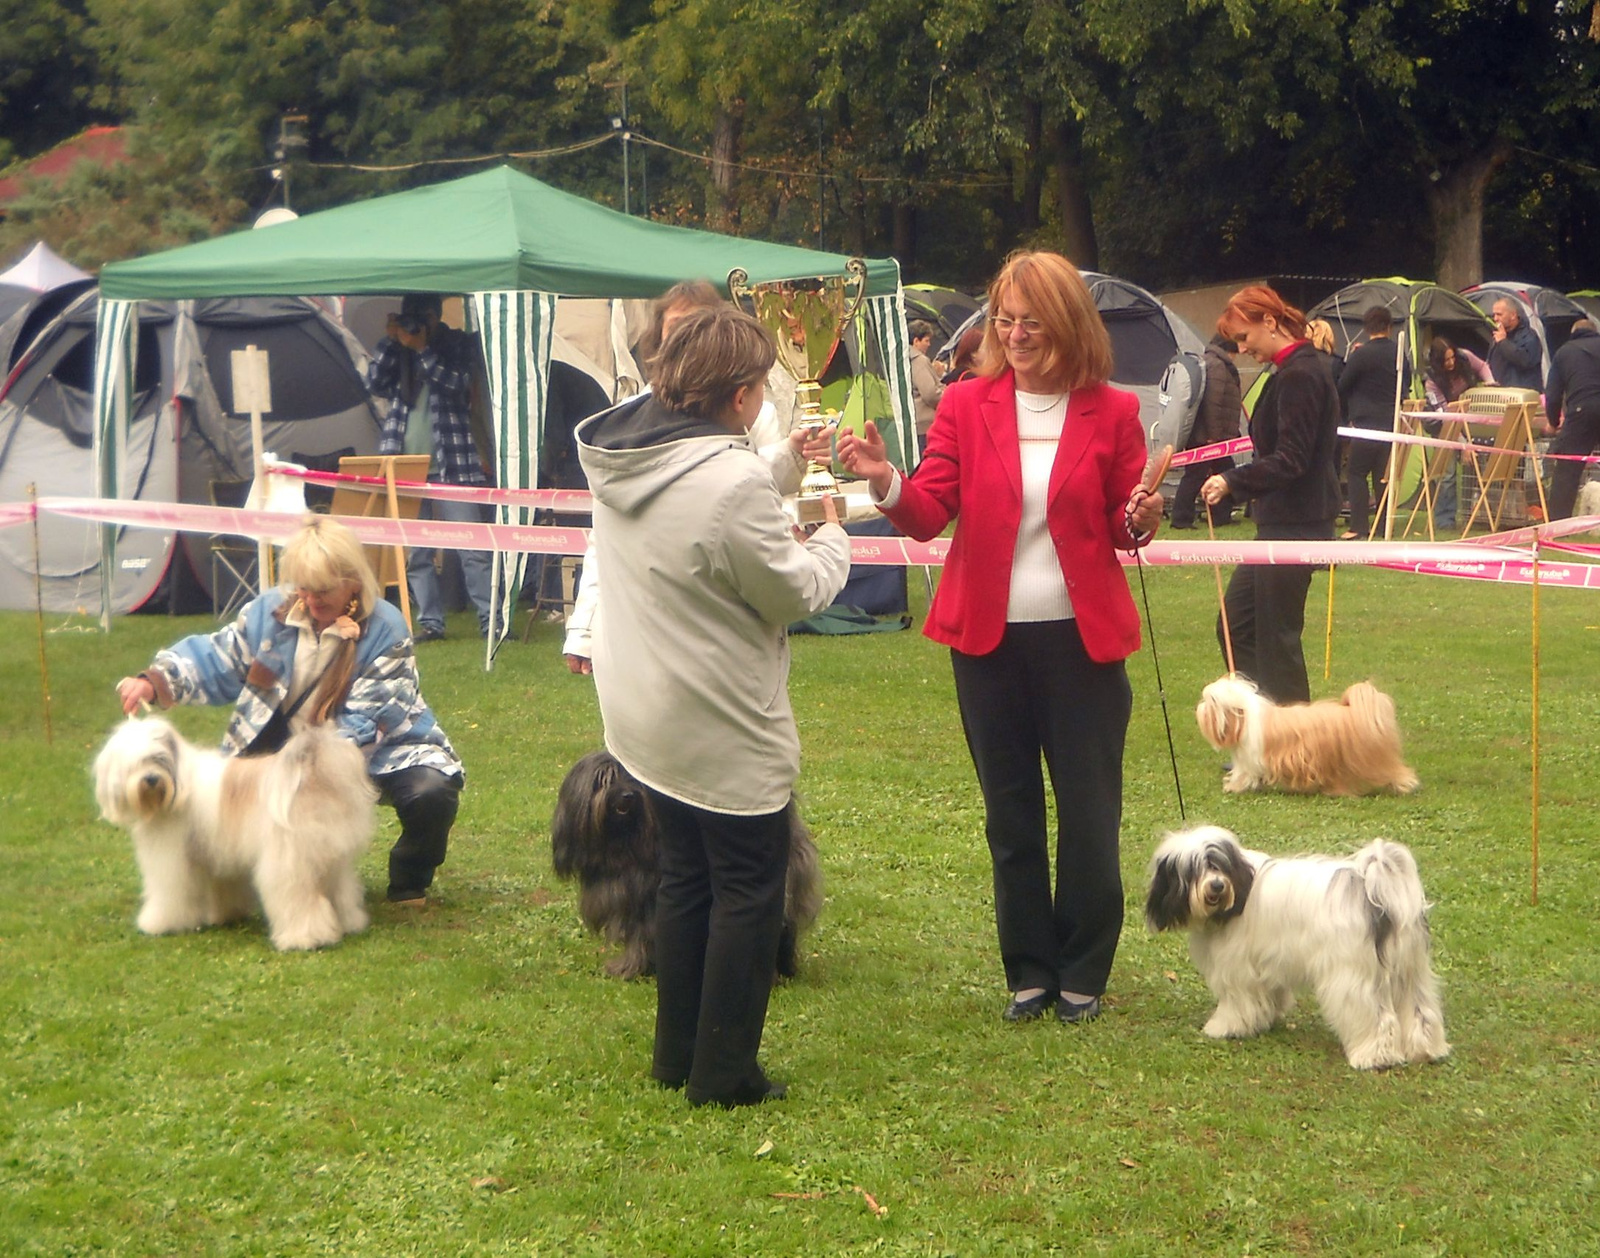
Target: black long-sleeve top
{"x": 1294, "y": 476}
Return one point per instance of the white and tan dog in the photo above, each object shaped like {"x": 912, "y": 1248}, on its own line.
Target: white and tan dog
{"x": 1354, "y": 930}
{"x": 210, "y": 830}
{"x": 1349, "y": 746}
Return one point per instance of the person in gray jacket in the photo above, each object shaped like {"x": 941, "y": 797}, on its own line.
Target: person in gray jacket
{"x": 691, "y": 661}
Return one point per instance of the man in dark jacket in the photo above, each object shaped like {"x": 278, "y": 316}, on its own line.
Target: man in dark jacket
{"x": 1221, "y": 406}
{"x": 1572, "y": 405}
{"x": 1367, "y": 390}
{"x": 1514, "y": 357}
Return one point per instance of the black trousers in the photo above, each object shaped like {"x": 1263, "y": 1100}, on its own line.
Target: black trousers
{"x": 1579, "y": 434}
{"x": 1039, "y": 693}
{"x": 1369, "y": 462}
{"x": 1183, "y": 501}
{"x": 425, "y": 800}
{"x": 1266, "y": 605}
{"x": 718, "y": 917}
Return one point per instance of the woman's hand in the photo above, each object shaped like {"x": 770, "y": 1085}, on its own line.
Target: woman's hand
{"x": 1214, "y": 490}
{"x": 867, "y": 456}
{"x": 578, "y": 665}
{"x": 1144, "y": 510}
{"x": 133, "y": 691}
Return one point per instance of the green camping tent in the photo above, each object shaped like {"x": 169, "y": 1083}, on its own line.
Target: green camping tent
{"x": 514, "y": 245}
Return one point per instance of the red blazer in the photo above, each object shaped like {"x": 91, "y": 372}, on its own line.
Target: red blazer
{"x": 974, "y": 460}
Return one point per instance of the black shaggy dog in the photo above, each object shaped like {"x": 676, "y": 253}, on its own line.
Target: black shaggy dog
{"x": 604, "y": 835}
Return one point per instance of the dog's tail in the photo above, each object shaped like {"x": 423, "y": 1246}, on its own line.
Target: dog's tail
{"x": 1399, "y": 921}
{"x": 1375, "y": 748}
{"x": 1373, "y": 709}
{"x": 1399, "y": 909}
{"x": 319, "y": 769}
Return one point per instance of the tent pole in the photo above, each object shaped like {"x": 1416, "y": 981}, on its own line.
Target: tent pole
{"x": 38, "y": 609}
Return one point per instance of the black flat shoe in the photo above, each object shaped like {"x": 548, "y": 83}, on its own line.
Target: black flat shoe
{"x": 750, "y": 1094}
{"x": 1073, "y": 1011}
{"x": 1026, "y": 1010}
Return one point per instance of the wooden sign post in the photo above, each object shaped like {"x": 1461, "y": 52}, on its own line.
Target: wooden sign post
{"x": 252, "y": 395}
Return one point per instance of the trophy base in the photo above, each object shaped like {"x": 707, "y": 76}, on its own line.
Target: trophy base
{"x": 808, "y": 507}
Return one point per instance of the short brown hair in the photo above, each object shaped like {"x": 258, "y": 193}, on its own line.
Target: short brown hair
{"x": 708, "y": 357}
{"x": 1377, "y": 320}
{"x": 1253, "y": 305}
{"x": 1080, "y": 347}
{"x": 688, "y": 295}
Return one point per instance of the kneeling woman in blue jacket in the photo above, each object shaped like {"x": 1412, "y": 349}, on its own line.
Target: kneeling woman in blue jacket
{"x": 325, "y": 646}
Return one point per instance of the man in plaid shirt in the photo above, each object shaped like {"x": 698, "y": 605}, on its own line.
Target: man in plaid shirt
{"x": 423, "y": 370}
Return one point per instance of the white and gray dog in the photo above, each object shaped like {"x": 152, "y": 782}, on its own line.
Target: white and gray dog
{"x": 1354, "y": 930}
{"x": 212, "y": 833}
{"x": 604, "y": 834}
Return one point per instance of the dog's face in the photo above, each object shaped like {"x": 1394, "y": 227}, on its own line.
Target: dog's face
{"x": 1197, "y": 876}
{"x": 137, "y": 773}
{"x": 1225, "y": 706}
{"x": 602, "y": 818}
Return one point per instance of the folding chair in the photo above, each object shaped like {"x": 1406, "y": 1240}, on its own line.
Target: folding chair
{"x": 234, "y": 559}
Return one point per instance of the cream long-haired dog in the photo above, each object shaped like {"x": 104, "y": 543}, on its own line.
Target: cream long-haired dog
{"x": 213, "y": 833}
{"x": 1354, "y": 930}
{"x": 1349, "y": 746}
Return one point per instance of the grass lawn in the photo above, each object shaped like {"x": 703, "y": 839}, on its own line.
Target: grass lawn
{"x": 466, "y": 1080}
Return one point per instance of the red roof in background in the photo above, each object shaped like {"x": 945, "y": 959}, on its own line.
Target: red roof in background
{"x": 104, "y": 146}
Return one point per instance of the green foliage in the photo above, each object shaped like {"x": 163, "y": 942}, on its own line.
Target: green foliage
{"x": 46, "y": 74}
{"x": 467, "y": 1080}
{"x": 1171, "y": 142}
{"x": 99, "y": 214}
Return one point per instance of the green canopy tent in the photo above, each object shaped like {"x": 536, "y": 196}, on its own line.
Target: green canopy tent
{"x": 514, "y": 245}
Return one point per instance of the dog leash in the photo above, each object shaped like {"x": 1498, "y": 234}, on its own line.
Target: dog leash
{"x": 1153, "y": 476}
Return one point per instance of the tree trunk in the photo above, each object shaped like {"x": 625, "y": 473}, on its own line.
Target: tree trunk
{"x": 1032, "y": 167}
{"x": 904, "y": 246}
{"x": 1078, "y": 240}
{"x": 722, "y": 206}
{"x": 1455, "y": 203}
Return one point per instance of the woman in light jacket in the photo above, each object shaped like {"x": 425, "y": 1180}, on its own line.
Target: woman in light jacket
{"x": 691, "y": 665}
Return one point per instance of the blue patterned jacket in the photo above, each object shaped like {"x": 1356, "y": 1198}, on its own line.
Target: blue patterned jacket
{"x": 447, "y": 364}
{"x": 251, "y": 662}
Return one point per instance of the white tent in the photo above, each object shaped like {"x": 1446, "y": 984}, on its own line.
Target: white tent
{"x": 41, "y": 269}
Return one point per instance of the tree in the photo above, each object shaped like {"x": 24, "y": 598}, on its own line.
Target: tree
{"x": 47, "y": 73}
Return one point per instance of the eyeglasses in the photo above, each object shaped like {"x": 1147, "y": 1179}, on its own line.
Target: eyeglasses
{"x": 1003, "y": 325}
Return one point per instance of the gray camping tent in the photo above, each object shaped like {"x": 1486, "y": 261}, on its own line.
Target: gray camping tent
{"x": 184, "y": 445}
{"x": 1156, "y": 355}
{"x": 1548, "y": 311}
{"x": 1422, "y": 309}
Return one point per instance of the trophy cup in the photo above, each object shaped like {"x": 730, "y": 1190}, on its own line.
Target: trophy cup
{"x": 808, "y": 318}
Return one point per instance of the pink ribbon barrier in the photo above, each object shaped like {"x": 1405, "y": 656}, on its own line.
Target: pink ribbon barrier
{"x": 571, "y": 501}
{"x": 278, "y": 526}
{"x": 1220, "y": 450}
{"x": 1478, "y": 561}
{"x": 15, "y": 513}
{"x": 1581, "y": 576}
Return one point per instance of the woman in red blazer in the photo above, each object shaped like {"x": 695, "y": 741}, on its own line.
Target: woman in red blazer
{"x": 1038, "y": 461}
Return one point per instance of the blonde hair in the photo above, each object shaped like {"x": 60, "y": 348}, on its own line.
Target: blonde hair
{"x": 1078, "y": 349}
{"x": 1320, "y": 333}
{"x": 320, "y": 555}
{"x": 708, "y": 357}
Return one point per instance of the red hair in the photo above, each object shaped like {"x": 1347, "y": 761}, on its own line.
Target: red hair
{"x": 1253, "y": 305}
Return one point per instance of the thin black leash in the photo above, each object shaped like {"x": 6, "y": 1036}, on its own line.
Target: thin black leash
{"x": 1160, "y": 687}
{"x": 1149, "y": 620}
